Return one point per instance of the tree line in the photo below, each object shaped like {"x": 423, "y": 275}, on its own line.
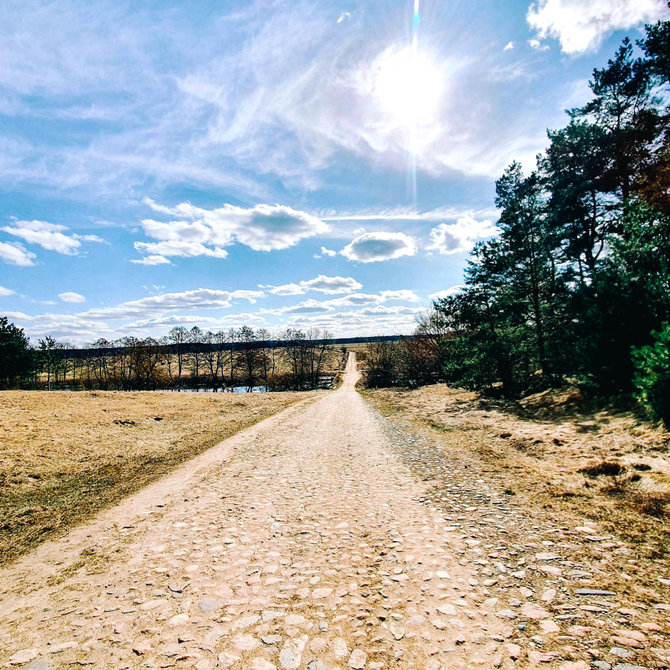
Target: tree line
{"x": 183, "y": 359}
{"x": 576, "y": 286}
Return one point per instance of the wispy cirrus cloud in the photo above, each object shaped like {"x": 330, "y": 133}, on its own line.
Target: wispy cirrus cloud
{"x": 266, "y": 101}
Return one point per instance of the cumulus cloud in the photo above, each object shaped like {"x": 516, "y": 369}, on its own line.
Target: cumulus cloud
{"x": 327, "y": 252}
{"x": 6, "y": 291}
{"x": 71, "y": 296}
{"x": 168, "y": 321}
{"x": 201, "y": 298}
{"x": 306, "y": 307}
{"x": 459, "y": 237}
{"x": 322, "y": 284}
{"x": 152, "y": 260}
{"x": 374, "y": 298}
{"x": 402, "y": 294}
{"x": 201, "y": 232}
{"x": 89, "y": 238}
{"x": 395, "y": 310}
{"x": 185, "y": 248}
{"x": 447, "y": 292}
{"x": 357, "y": 323}
{"x": 374, "y": 247}
{"x": 582, "y": 26}
{"x": 351, "y": 300}
{"x": 287, "y": 289}
{"x": 350, "y": 314}
{"x": 16, "y": 254}
{"x": 47, "y": 235}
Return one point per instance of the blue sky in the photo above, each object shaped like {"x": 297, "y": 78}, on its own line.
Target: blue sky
{"x": 307, "y": 164}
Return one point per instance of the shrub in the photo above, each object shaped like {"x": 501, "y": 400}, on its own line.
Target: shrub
{"x": 652, "y": 375}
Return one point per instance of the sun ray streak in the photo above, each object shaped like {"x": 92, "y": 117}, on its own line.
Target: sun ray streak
{"x": 412, "y": 130}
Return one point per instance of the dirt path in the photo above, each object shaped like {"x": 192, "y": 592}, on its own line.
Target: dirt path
{"x": 302, "y": 542}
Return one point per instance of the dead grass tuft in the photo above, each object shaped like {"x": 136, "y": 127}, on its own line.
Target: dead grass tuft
{"x": 604, "y": 468}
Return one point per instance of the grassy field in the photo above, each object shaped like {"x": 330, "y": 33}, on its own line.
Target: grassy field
{"x": 605, "y": 465}
{"x": 64, "y": 456}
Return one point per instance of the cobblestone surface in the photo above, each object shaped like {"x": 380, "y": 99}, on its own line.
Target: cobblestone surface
{"x": 323, "y": 537}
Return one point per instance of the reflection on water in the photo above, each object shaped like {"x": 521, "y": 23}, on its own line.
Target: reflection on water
{"x": 234, "y": 389}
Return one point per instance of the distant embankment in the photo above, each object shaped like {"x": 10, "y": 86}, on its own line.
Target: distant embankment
{"x": 202, "y": 347}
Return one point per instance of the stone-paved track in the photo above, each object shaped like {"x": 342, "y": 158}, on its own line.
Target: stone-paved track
{"x": 302, "y": 542}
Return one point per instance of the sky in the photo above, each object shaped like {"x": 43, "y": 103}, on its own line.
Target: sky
{"x": 309, "y": 164}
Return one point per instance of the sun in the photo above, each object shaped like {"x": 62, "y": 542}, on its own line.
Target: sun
{"x": 408, "y": 86}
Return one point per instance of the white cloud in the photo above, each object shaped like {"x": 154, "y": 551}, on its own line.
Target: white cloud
{"x": 326, "y": 252}
{"x": 306, "y": 307}
{"x": 168, "y": 321}
{"x": 203, "y": 232}
{"x": 49, "y": 236}
{"x": 385, "y": 310}
{"x": 281, "y": 108}
{"x": 152, "y": 260}
{"x": 364, "y": 322}
{"x": 402, "y": 294}
{"x": 581, "y": 26}
{"x": 509, "y": 46}
{"x": 16, "y": 254}
{"x": 537, "y": 45}
{"x": 89, "y": 238}
{"x": 287, "y": 289}
{"x": 409, "y": 214}
{"x": 6, "y": 291}
{"x": 246, "y": 294}
{"x": 201, "y": 298}
{"x": 352, "y": 300}
{"x": 269, "y": 100}
{"x": 373, "y": 247}
{"x": 459, "y": 237}
{"x": 71, "y": 296}
{"x": 153, "y": 316}
{"x": 447, "y": 292}
{"x": 185, "y": 248}
{"x": 322, "y": 284}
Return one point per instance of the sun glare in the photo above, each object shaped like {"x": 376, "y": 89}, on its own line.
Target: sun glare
{"x": 408, "y": 86}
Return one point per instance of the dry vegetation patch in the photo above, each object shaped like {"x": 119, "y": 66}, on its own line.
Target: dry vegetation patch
{"x": 64, "y": 456}
{"x": 605, "y": 465}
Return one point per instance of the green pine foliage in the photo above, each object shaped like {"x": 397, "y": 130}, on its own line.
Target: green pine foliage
{"x": 579, "y": 275}
{"x": 652, "y": 375}
{"x": 16, "y": 356}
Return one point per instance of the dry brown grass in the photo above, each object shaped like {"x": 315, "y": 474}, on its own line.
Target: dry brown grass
{"x": 607, "y": 466}
{"x": 64, "y": 456}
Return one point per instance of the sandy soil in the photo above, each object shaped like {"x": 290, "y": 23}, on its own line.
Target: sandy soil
{"x": 609, "y": 466}
{"x": 311, "y": 540}
{"x": 64, "y": 456}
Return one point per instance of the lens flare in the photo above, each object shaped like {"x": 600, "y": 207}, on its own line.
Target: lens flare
{"x": 408, "y": 86}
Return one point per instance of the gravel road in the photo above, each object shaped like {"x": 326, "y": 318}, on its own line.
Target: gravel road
{"x": 306, "y": 541}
